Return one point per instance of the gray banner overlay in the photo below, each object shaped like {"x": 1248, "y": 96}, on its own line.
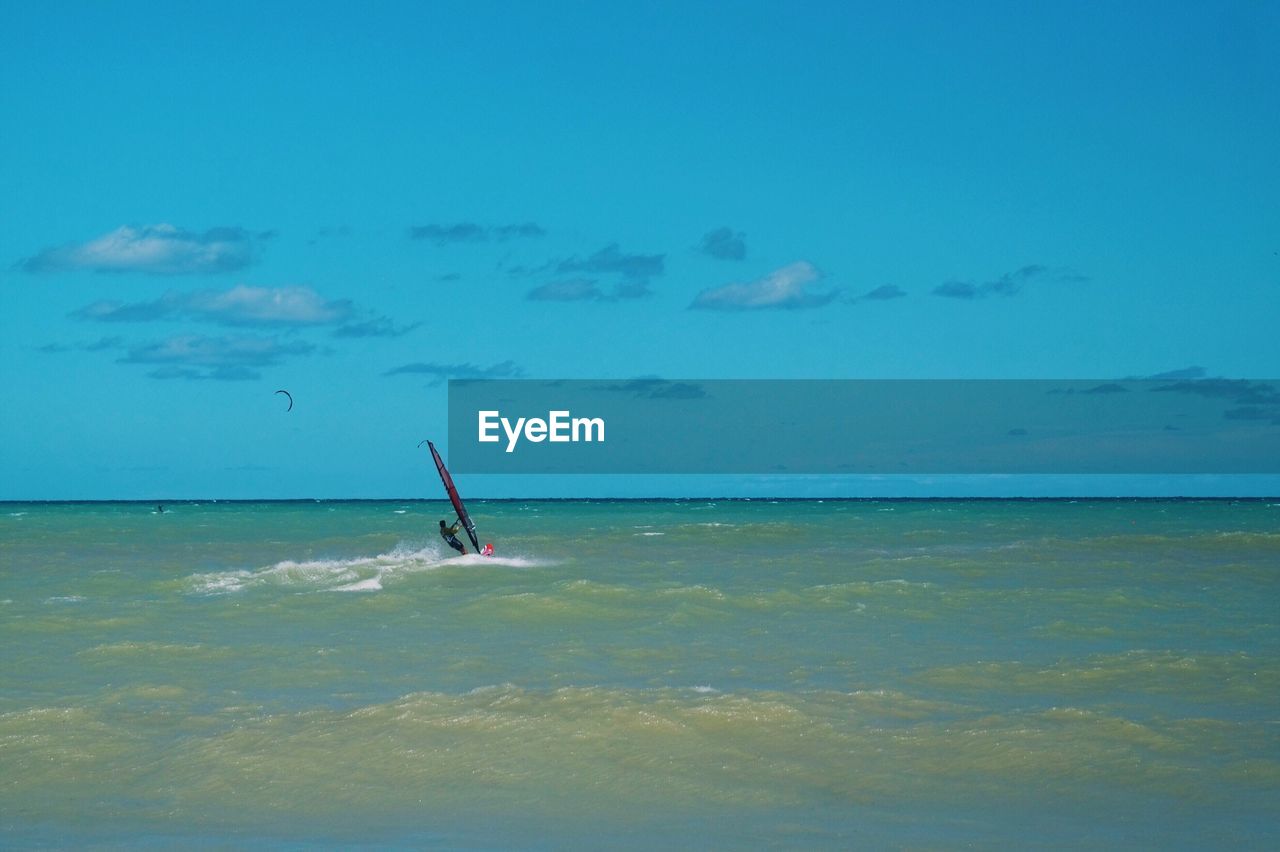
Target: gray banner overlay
{"x": 1201, "y": 426}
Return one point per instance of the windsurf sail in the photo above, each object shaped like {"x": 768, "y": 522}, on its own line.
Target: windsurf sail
{"x": 454, "y": 498}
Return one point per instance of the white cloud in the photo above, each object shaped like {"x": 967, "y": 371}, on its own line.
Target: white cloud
{"x": 783, "y": 288}
{"x": 240, "y": 306}
{"x": 243, "y": 305}
{"x": 155, "y": 249}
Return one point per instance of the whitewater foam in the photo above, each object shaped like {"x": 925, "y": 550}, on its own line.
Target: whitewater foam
{"x": 373, "y": 584}
{"x": 360, "y": 574}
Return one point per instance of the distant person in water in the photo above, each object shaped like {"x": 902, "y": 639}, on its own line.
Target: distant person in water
{"x": 450, "y": 535}
{"x": 160, "y": 509}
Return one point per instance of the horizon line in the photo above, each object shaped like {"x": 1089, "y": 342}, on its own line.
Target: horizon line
{"x": 698, "y": 498}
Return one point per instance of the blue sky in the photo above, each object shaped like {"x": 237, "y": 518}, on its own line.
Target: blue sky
{"x": 206, "y": 203}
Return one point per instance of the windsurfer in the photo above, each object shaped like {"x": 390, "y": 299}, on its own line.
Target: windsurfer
{"x": 450, "y": 535}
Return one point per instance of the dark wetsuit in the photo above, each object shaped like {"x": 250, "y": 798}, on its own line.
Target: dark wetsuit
{"x": 450, "y": 535}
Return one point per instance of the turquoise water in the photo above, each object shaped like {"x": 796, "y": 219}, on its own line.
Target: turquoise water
{"x": 703, "y": 674}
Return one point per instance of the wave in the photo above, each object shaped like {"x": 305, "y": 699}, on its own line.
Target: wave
{"x": 662, "y": 748}
{"x": 360, "y": 574}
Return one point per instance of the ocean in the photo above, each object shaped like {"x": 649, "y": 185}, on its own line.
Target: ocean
{"x": 706, "y": 674}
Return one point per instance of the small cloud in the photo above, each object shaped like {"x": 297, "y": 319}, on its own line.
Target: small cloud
{"x": 655, "y": 388}
{"x": 1110, "y": 387}
{"x": 641, "y": 386}
{"x": 470, "y": 232}
{"x": 442, "y": 372}
{"x": 1184, "y": 373}
{"x": 193, "y": 356}
{"x": 112, "y": 311}
{"x": 678, "y": 390}
{"x": 376, "y": 327}
{"x": 724, "y": 244}
{"x": 611, "y": 260}
{"x": 1241, "y": 391}
{"x": 586, "y": 290}
{"x": 239, "y": 306}
{"x": 956, "y": 290}
{"x": 463, "y": 232}
{"x": 1016, "y": 432}
{"x": 154, "y": 249}
{"x": 1253, "y": 401}
{"x": 571, "y": 290}
{"x": 580, "y": 277}
{"x": 243, "y": 305}
{"x": 784, "y": 288}
{"x": 1009, "y": 284}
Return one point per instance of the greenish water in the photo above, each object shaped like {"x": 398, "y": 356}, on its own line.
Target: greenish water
{"x": 703, "y": 674}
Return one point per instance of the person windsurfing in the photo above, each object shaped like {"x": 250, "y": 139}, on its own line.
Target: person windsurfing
{"x": 450, "y": 535}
